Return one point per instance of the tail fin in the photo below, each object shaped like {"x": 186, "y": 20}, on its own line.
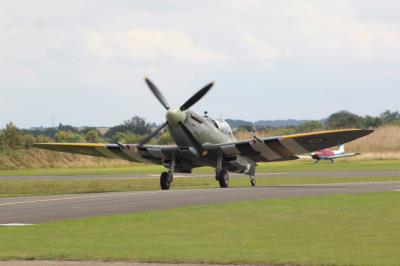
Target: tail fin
{"x": 341, "y": 148}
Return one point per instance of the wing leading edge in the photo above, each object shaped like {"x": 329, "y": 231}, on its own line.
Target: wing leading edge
{"x": 133, "y": 153}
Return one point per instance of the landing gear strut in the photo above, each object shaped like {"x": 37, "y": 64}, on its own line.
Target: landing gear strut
{"x": 166, "y": 178}
{"x": 253, "y": 181}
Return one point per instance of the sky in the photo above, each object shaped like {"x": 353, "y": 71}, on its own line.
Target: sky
{"x": 83, "y": 62}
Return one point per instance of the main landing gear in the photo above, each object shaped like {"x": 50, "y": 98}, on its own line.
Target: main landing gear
{"x": 166, "y": 180}
{"x": 223, "y": 178}
{"x": 221, "y": 174}
{"x": 167, "y": 177}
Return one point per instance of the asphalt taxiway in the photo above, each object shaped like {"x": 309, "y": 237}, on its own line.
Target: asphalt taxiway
{"x": 277, "y": 174}
{"x": 39, "y": 209}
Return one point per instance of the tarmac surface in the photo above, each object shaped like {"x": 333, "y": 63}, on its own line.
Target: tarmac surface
{"x": 40, "y": 209}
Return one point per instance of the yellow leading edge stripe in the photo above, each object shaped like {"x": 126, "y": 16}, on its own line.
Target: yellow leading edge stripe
{"x": 318, "y": 133}
{"x": 100, "y": 145}
{"x": 96, "y": 145}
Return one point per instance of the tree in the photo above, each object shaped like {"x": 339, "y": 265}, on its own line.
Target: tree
{"x": 131, "y": 138}
{"x": 165, "y": 139}
{"x": 136, "y": 125}
{"x": 345, "y": 119}
{"x": 62, "y": 127}
{"x": 12, "y": 136}
{"x": 310, "y": 126}
{"x": 27, "y": 140}
{"x": 2, "y": 140}
{"x": 371, "y": 121}
{"x": 68, "y": 136}
{"x": 388, "y": 116}
{"x": 93, "y": 136}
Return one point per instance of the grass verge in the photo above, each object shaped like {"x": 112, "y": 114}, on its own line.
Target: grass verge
{"x": 331, "y": 230}
{"x": 384, "y": 165}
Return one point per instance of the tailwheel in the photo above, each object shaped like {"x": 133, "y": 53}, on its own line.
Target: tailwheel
{"x": 253, "y": 181}
{"x": 165, "y": 180}
{"x": 223, "y": 178}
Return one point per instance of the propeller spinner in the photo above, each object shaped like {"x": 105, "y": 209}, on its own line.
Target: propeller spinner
{"x": 175, "y": 116}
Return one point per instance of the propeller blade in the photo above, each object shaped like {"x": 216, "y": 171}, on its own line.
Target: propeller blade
{"x": 195, "y": 98}
{"x": 197, "y": 145}
{"x": 157, "y": 93}
{"x": 152, "y": 135}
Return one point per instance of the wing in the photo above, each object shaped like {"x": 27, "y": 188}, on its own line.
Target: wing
{"x": 133, "y": 153}
{"x": 287, "y": 147}
{"x": 344, "y": 155}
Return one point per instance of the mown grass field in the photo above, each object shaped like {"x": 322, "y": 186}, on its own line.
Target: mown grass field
{"x": 293, "y": 166}
{"x": 331, "y": 230}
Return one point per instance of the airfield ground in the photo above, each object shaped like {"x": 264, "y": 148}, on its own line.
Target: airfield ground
{"x": 145, "y": 177}
{"x": 330, "y": 230}
{"x": 276, "y": 167}
{"x": 276, "y": 223}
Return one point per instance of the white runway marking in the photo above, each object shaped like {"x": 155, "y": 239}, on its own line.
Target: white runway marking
{"x": 14, "y": 224}
{"x": 69, "y": 198}
{"x": 92, "y": 196}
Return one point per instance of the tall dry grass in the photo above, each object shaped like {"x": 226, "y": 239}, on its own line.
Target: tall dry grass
{"x": 383, "y": 144}
{"x": 384, "y": 139}
{"x": 35, "y": 158}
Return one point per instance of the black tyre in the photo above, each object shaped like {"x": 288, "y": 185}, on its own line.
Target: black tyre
{"x": 165, "y": 180}
{"x": 253, "y": 182}
{"x": 223, "y": 178}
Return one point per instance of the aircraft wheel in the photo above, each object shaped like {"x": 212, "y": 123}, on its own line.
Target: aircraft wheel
{"x": 165, "y": 180}
{"x": 253, "y": 181}
{"x": 223, "y": 178}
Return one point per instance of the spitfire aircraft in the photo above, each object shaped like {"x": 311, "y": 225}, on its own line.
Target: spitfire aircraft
{"x": 203, "y": 141}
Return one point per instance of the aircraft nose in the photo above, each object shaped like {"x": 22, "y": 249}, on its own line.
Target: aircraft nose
{"x": 174, "y": 116}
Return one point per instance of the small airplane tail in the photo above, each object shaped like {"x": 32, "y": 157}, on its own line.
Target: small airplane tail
{"x": 341, "y": 148}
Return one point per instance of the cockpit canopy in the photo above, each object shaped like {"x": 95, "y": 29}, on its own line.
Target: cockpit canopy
{"x": 223, "y": 126}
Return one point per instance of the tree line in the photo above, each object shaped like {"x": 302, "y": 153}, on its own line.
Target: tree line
{"x": 130, "y": 131}
{"x": 134, "y": 129}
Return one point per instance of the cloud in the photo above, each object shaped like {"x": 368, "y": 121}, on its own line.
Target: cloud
{"x": 145, "y": 45}
{"x": 347, "y": 37}
{"x": 257, "y": 49}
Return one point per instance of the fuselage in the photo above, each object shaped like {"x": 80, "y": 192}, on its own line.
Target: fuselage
{"x": 205, "y": 129}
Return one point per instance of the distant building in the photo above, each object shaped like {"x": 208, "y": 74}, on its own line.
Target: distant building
{"x": 103, "y": 130}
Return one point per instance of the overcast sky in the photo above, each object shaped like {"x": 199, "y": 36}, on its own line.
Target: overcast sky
{"x": 83, "y": 62}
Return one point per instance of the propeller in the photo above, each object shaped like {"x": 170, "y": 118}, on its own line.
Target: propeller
{"x": 196, "y": 143}
{"x": 196, "y": 97}
{"x": 176, "y": 116}
{"x": 157, "y": 93}
{"x": 152, "y": 134}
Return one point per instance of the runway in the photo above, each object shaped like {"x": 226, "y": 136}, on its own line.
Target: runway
{"x": 278, "y": 174}
{"x": 40, "y": 209}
